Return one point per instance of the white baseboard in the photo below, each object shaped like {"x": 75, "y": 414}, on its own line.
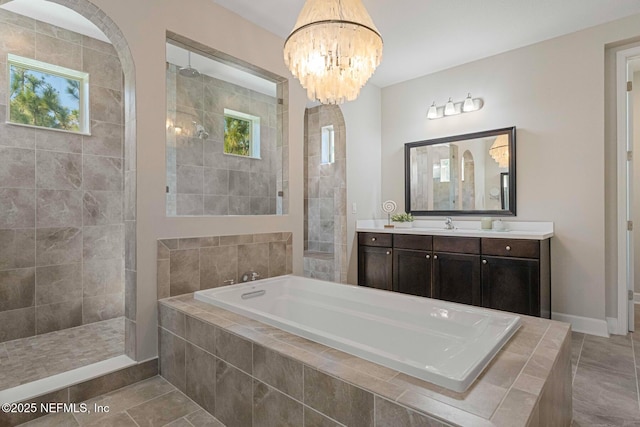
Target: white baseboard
{"x": 636, "y": 297}
{"x": 612, "y": 325}
{"x": 586, "y": 325}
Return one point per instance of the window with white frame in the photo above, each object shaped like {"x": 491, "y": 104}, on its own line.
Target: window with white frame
{"x": 47, "y": 96}
{"x": 328, "y": 145}
{"x": 241, "y": 134}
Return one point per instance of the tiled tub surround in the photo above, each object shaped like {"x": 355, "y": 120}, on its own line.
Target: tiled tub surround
{"x": 190, "y": 264}
{"x": 61, "y": 195}
{"x": 247, "y": 373}
{"x": 325, "y": 203}
{"x": 202, "y": 179}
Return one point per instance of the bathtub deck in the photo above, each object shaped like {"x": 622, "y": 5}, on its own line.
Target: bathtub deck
{"x": 527, "y": 384}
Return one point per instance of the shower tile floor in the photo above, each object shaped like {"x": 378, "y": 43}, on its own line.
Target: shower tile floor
{"x": 29, "y": 359}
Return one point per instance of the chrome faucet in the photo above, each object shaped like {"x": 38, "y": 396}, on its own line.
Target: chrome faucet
{"x": 448, "y": 223}
{"x": 250, "y": 276}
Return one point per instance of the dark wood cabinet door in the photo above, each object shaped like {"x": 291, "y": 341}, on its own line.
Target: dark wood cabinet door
{"x": 412, "y": 272}
{"x": 456, "y": 278}
{"x": 511, "y": 284}
{"x": 375, "y": 267}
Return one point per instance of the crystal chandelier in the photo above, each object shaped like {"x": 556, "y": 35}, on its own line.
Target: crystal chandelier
{"x": 499, "y": 151}
{"x": 333, "y": 49}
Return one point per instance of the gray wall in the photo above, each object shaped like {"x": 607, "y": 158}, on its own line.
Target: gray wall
{"x": 61, "y": 195}
{"x": 202, "y": 179}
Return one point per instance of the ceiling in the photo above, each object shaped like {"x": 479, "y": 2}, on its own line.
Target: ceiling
{"x": 55, "y": 14}
{"x": 420, "y": 36}
{"x": 425, "y": 36}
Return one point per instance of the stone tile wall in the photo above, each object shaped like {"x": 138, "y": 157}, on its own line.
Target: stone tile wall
{"x": 61, "y": 194}
{"x": 191, "y": 264}
{"x": 202, "y": 180}
{"x": 325, "y": 197}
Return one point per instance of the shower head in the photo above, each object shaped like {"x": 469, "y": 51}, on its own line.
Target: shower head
{"x": 188, "y": 71}
{"x": 201, "y": 132}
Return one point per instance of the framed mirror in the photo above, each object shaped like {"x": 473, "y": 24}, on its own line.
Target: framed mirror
{"x": 472, "y": 174}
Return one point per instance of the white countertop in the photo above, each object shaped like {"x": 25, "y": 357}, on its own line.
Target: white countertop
{"x": 513, "y": 229}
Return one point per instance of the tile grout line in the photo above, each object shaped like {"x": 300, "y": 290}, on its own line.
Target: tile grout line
{"x": 578, "y": 359}
{"x": 521, "y": 373}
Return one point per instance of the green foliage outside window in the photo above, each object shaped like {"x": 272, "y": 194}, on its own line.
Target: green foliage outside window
{"x": 41, "y": 99}
{"x": 237, "y": 136}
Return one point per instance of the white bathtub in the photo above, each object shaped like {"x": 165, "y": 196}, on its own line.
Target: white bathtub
{"x": 444, "y": 343}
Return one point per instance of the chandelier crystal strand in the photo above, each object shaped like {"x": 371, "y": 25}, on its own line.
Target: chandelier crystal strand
{"x": 499, "y": 151}
{"x": 333, "y": 49}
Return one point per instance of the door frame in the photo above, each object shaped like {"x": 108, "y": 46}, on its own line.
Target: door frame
{"x": 624, "y": 144}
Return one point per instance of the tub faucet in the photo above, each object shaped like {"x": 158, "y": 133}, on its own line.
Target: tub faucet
{"x": 448, "y": 223}
{"x": 250, "y": 276}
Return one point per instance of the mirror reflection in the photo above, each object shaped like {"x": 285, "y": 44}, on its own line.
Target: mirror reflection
{"x": 470, "y": 174}
{"x": 224, "y": 136}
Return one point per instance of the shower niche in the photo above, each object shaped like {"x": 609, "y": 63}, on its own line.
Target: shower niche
{"x": 225, "y": 145}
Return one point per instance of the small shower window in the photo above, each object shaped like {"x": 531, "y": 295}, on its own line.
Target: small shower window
{"x": 328, "y": 145}
{"x": 47, "y": 96}
{"x": 241, "y": 134}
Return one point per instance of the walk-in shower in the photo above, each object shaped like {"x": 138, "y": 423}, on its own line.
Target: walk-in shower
{"x": 62, "y": 212}
{"x": 325, "y": 242}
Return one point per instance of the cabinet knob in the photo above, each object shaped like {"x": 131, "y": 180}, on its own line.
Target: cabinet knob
{"x": 435, "y": 257}
{"x": 388, "y": 252}
{"x": 484, "y": 261}
{"x": 373, "y": 239}
{"x": 508, "y": 248}
{"x": 428, "y": 256}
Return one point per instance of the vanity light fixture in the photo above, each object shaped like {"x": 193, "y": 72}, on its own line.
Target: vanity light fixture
{"x": 468, "y": 105}
{"x": 433, "y": 111}
{"x": 452, "y": 108}
{"x": 449, "y": 108}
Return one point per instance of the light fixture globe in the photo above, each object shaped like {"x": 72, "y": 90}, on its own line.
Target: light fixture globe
{"x": 333, "y": 50}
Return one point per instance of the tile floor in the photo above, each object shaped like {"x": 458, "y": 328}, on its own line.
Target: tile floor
{"x": 29, "y": 359}
{"x": 153, "y": 402}
{"x": 605, "y": 381}
{"x": 605, "y": 392}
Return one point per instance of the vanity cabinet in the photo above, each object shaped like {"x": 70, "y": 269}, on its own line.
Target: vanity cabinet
{"x": 456, "y": 270}
{"x": 504, "y": 274}
{"x": 412, "y": 264}
{"x": 516, "y": 276}
{"x": 375, "y": 260}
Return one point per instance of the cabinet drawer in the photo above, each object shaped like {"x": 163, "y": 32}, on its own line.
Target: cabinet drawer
{"x": 461, "y": 245}
{"x": 410, "y": 241}
{"x": 374, "y": 239}
{"x": 511, "y": 247}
